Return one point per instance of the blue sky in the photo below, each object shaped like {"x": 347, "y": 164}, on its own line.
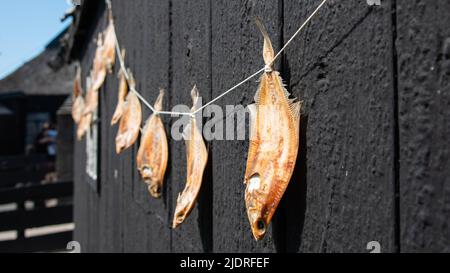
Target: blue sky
{"x": 26, "y": 26}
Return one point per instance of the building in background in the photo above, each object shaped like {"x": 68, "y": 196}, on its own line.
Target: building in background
{"x": 31, "y": 96}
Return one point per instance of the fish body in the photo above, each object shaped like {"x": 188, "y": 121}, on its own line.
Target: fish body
{"x": 123, "y": 92}
{"x": 153, "y": 152}
{"x": 130, "y": 123}
{"x": 78, "y": 109}
{"x": 77, "y": 98}
{"x": 273, "y": 146}
{"x": 109, "y": 46}
{"x": 87, "y": 114}
{"x": 84, "y": 125}
{"x": 197, "y": 158}
{"x": 91, "y": 100}
{"x": 99, "y": 65}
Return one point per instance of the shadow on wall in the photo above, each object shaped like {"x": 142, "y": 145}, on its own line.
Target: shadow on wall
{"x": 288, "y": 221}
{"x": 290, "y": 216}
{"x": 205, "y": 209}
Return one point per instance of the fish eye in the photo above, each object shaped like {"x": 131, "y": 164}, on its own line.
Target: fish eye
{"x": 261, "y": 225}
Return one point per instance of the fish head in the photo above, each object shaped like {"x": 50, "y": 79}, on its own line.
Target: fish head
{"x": 178, "y": 218}
{"x": 182, "y": 211}
{"x": 257, "y": 212}
{"x": 154, "y": 186}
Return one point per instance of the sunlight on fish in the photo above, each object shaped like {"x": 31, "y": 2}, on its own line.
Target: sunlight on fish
{"x": 130, "y": 123}
{"x": 197, "y": 158}
{"x": 123, "y": 92}
{"x": 274, "y": 144}
{"x": 153, "y": 153}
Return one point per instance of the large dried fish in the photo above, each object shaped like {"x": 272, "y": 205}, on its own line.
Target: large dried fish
{"x": 109, "y": 45}
{"x": 130, "y": 123}
{"x": 77, "y": 97}
{"x": 197, "y": 157}
{"x": 153, "y": 153}
{"x": 274, "y": 145}
{"x": 99, "y": 66}
{"x": 123, "y": 92}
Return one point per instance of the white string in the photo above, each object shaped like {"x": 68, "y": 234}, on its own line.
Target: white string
{"x": 298, "y": 31}
{"x": 229, "y": 90}
{"x": 128, "y": 78}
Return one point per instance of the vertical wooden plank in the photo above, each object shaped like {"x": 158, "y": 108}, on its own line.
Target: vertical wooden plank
{"x": 86, "y": 200}
{"x": 342, "y": 196}
{"x": 146, "y": 39}
{"x": 236, "y": 54}
{"x": 155, "y": 75}
{"x": 191, "y": 66}
{"x": 423, "y": 47}
{"x": 134, "y": 225}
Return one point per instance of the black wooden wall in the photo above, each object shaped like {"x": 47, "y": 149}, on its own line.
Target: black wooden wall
{"x": 374, "y": 161}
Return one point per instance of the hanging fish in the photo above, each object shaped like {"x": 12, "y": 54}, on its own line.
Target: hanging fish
{"x": 91, "y": 100}
{"x": 273, "y": 147}
{"x": 77, "y": 97}
{"x": 130, "y": 123}
{"x": 123, "y": 92}
{"x": 99, "y": 71}
{"x": 84, "y": 125}
{"x": 153, "y": 153}
{"x": 109, "y": 45}
{"x": 87, "y": 116}
{"x": 197, "y": 158}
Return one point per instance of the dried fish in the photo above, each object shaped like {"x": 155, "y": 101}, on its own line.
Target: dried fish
{"x": 87, "y": 116}
{"x": 130, "y": 123}
{"x": 91, "y": 100}
{"x": 274, "y": 145}
{"x": 77, "y": 97}
{"x": 123, "y": 92}
{"x": 99, "y": 70}
{"x": 153, "y": 153}
{"x": 197, "y": 158}
{"x": 109, "y": 46}
{"x": 84, "y": 125}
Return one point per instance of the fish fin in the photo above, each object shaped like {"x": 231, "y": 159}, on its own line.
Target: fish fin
{"x": 262, "y": 81}
{"x": 268, "y": 52}
{"x": 117, "y": 114}
{"x": 159, "y": 101}
{"x": 295, "y": 109}
{"x": 195, "y": 95}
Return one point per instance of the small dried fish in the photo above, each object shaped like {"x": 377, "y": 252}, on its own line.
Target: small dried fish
{"x": 274, "y": 145}
{"x": 153, "y": 153}
{"x": 197, "y": 158}
{"x": 87, "y": 116}
{"x": 99, "y": 71}
{"x": 83, "y": 126}
{"x": 109, "y": 51}
{"x": 130, "y": 123}
{"x": 91, "y": 100}
{"x": 77, "y": 97}
{"x": 77, "y": 109}
{"x": 123, "y": 92}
